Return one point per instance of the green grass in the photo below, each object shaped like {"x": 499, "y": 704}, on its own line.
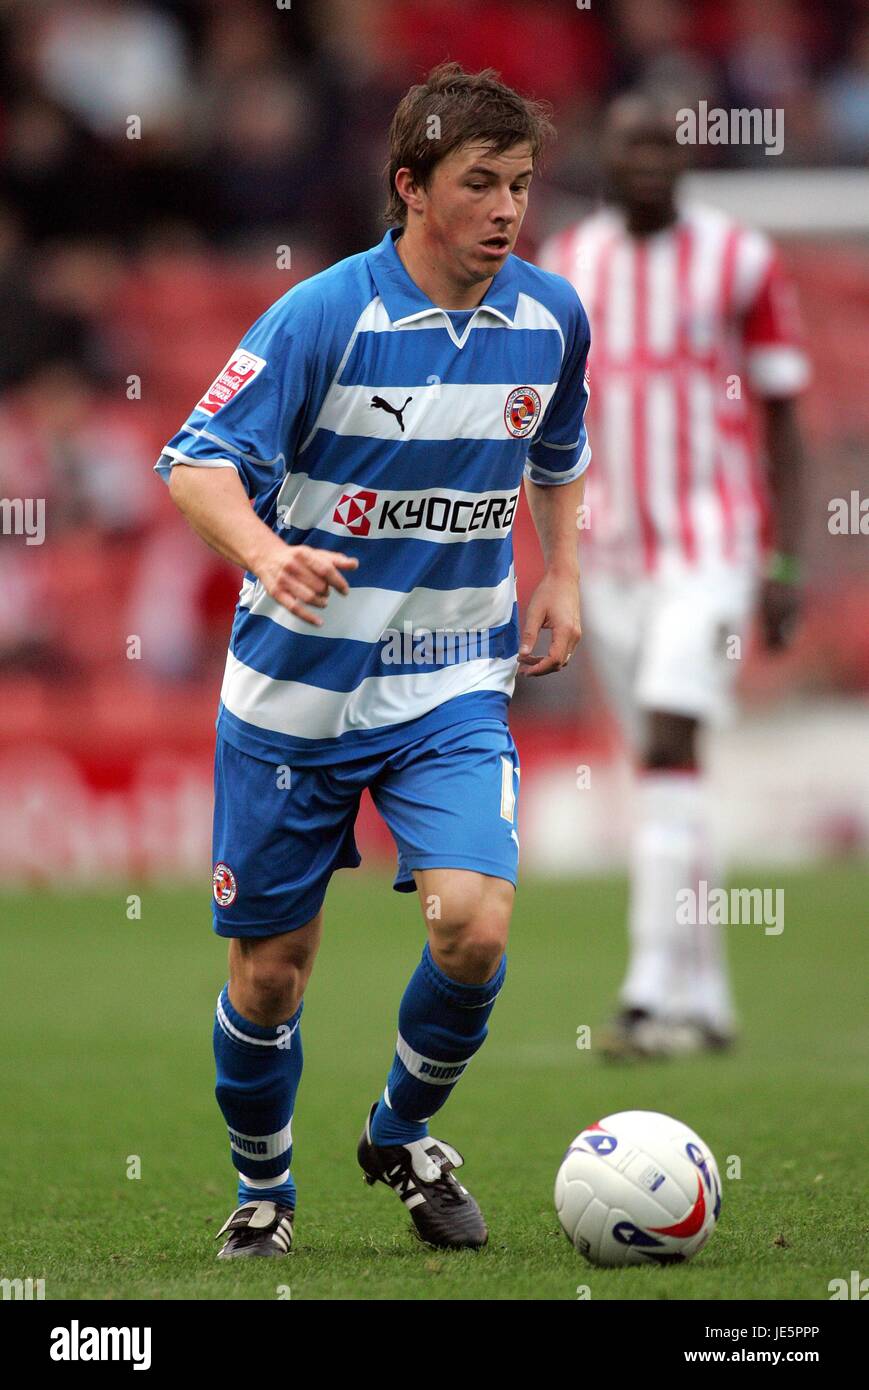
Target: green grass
{"x": 107, "y": 1054}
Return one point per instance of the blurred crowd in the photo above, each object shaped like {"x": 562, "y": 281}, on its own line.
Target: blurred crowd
{"x": 156, "y": 157}
{"x": 230, "y": 120}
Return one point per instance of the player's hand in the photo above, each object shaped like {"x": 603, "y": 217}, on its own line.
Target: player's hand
{"x": 299, "y": 575}
{"x": 779, "y": 611}
{"x": 554, "y": 605}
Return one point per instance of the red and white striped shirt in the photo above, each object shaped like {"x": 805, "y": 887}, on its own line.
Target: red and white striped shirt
{"x": 686, "y": 325}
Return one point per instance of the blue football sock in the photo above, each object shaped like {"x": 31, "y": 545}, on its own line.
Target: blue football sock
{"x": 441, "y": 1024}
{"x": 258, "y": 1071}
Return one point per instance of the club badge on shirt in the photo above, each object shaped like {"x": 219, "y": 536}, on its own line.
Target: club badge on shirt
{"x": 522, "y": 411}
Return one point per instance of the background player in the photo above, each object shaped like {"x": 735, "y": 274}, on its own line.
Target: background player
{"x": 381, "y": 417}
{"x": 693, "y": 321}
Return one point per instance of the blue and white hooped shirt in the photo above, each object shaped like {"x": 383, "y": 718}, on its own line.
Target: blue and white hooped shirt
{"x": 363, "y": 418}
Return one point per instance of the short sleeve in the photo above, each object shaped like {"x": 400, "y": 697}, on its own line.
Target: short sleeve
{"x": 772, "y": 336}
{"x": 561, "y": 453}
{"x": 250, "y": 416}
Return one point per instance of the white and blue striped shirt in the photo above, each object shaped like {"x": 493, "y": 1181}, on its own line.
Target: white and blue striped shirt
{"x": 363, "y": 418}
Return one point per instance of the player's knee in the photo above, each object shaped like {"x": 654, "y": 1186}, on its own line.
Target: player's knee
{"x": 269, "y": 975}
{"x": 671, "y": 743}
{"x": 477, "y": 956}
{"x": 665, "y": 758}
{"x": 471, "y": 952}
{"x": 469, "y": 936}
{"x": 275, "y": 990}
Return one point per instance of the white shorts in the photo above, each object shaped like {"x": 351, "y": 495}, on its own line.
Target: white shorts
{"x": 671, "y": 643}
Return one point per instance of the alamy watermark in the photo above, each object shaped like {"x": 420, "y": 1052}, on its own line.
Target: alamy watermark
{"x": 433, "y": 646}
{"x": 77, "y": 1343}
{"x": 849, "y": 516}
{"x": 722, "y": 907}
{"x": 23, "y": 516}
{"x": 738, "y": 126}
{"x": 857, "y": 1287}
{"x": 24, "y": 1289}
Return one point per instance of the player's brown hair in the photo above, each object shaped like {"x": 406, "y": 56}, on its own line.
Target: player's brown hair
{"x": 451, "y": 108}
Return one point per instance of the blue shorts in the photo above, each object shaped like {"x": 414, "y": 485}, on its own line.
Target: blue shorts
{"x": 280, "y": 832}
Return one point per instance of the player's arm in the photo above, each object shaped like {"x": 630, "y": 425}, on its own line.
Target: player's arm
{"x": 781, "y": 594}
{"x": 555, "y": 602}
{"x": 778, "y": 372}
{"x": 234, "y": 446}
{"x": 217, "y": 507}
{"x": 554, "y": 486}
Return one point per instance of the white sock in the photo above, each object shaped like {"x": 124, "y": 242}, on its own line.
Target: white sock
{"x": 676, "y": 970}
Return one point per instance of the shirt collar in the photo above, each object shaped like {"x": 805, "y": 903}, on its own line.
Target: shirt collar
{"x": 404, "y": 300}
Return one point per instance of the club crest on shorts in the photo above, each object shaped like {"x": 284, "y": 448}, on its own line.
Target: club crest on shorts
{"x": 224, "y": 885}
{"x": 522, "y": 411}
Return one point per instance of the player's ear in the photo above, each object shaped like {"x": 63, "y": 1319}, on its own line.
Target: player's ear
{"x": 408, "y": 189}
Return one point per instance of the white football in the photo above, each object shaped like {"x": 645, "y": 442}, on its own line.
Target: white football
{"x": 638, "y": 1188}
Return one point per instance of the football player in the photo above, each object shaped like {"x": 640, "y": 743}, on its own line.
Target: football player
{"x": 695, "y": 332}
{"x": 361, "y": 457}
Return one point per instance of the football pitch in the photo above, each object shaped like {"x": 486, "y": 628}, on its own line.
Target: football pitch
{"x": 106, "y": 1070}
